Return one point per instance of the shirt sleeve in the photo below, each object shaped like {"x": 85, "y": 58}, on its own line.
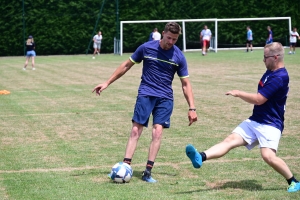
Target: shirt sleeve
{"x": 137, "y": 56}
{"x": 182, "y": 71}
{"x": 271, "y": 87}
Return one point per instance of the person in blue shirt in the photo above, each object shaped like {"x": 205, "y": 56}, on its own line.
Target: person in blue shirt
{"x": 151, "y": 36}
{"x": 264, "y": 127}
{"x": 249, "y": 39}
{"x": 161, "y": 60}
{"x": 270, "y": 35}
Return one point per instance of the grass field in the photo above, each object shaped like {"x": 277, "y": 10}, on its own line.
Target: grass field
{"x": 59, "y": 141}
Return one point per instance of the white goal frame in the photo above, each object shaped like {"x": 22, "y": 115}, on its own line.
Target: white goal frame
{"x": 183, "y": 21}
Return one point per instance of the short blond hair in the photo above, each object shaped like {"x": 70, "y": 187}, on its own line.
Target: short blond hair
{"x": 276, "y": 48}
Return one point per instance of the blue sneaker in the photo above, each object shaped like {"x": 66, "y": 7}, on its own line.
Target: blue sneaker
{"x": 294, "y": 187}
{"x": 193, "y": 154}
{"x": 147, "y": 177}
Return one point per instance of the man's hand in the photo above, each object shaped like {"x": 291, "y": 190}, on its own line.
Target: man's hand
{"x": 99, "y": 88}
{"x": 234, "y": 93}
{"x": 192, "y": 115}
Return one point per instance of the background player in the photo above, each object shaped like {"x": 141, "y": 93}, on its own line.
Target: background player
{"x": 293, "y": 40}
{"x": 156, "y": 35}
{"x": 30, "y": 52}
{"x": 205, "y": 37}
{"x": 270, "y": 35}
{"x": 97, "y": 43}
{"x": 249, "y": 39}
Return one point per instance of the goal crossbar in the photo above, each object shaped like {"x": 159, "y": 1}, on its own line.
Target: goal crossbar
{"x": 183, "y": 21}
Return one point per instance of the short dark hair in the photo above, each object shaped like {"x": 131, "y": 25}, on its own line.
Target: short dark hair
{"x": 173, "y": 27}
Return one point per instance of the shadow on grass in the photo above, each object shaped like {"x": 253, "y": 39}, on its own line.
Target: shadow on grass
{"x": 251, "y": 185}
{"x": 139, "y": 174}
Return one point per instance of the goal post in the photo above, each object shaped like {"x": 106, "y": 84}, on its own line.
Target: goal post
{"x": 161, "y": 21}
{"x": 184, "y": 21}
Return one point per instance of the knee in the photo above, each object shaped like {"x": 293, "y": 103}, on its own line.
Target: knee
{"x": 229, "y": 139}
{"x": 268, "y": 156}
{"x": 157, "y": 132}
{"x": 136, "y": 132}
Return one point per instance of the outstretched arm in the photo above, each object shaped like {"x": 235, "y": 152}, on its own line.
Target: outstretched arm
{"x": 188, "y": 94}
{"x": 256, "y": 99}
{"x": 120, "y": 71}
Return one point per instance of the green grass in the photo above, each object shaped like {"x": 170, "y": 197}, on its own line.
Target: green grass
{"x": 59, "y": 141}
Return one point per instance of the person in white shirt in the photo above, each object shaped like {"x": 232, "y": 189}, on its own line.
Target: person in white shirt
{"x": 293, "y": 40}
{"x": 156, "y": 35}
{"x": 97, "y": 43}
{"x": 205, "y": 37}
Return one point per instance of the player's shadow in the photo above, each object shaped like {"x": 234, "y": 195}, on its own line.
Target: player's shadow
{"x": 251, "y": 185}
{"x": 137, "y": 174}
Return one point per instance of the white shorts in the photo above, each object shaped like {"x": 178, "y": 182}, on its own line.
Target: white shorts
{"x": 255, "y": 133}
{"x": 97, "y": 45}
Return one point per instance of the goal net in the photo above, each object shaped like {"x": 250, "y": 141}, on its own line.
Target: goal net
{"x": 190, "y": 37}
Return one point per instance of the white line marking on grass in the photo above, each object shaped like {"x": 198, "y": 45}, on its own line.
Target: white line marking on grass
{"x": 71, "y": 113}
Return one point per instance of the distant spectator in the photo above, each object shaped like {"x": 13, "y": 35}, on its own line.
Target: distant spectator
{"x": 156, "y": 35}
{"x": 97, "y": 43}
{"x": 205, "y": 36}
{"x": 30, "y": 53}
{"x": 270, "y": 35}
{"x": 293, "y": 40}
{"x": 249, "y": 39}
{"x": 150, "y": 36}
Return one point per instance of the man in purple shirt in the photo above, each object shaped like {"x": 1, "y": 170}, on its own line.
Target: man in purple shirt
{"x": 161, "y": 60}
{"x": 265, "y": 126}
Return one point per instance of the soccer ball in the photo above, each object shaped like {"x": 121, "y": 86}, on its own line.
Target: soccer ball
{"x": 121, "y": 172}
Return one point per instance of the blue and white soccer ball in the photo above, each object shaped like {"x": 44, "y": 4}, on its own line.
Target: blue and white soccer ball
{"x": 121, "y": 172}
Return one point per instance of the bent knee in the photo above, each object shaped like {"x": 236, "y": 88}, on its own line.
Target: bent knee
{"x": 268, "y": 155}
{"x": 235, "y": 140}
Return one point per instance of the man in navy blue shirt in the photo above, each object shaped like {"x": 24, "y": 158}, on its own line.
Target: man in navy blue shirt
{"x": 270, "y": 35}
{"x": 264, "y": 127}
{"x": 161, "y": 60}
{"x": 150, "y": 36}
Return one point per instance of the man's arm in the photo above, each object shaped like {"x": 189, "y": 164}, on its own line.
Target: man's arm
{"x": 188, "y": 94}
{"x": 256, "y": 99}
{"x": 120, "y": 71}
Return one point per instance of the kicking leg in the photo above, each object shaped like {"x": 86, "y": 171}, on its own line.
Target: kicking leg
{"x": 232, "y": 141}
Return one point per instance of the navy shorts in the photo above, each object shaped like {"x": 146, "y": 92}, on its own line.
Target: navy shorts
{"x": 293, "y": 44}
{"x": 249, "y": 42}
{"x": 161, "y": 109}
{"x": 269, "y": 41}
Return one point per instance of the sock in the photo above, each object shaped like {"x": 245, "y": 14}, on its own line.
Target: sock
{"x": 247, "y": 50}
{"x": 127, "y": 160}
{"x": 149, "y": 165}
{"x": 203, "y": 155}
{"x": 293, "y": 179}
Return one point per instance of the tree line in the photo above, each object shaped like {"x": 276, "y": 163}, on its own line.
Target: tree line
{"x": 66, "y": 27}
